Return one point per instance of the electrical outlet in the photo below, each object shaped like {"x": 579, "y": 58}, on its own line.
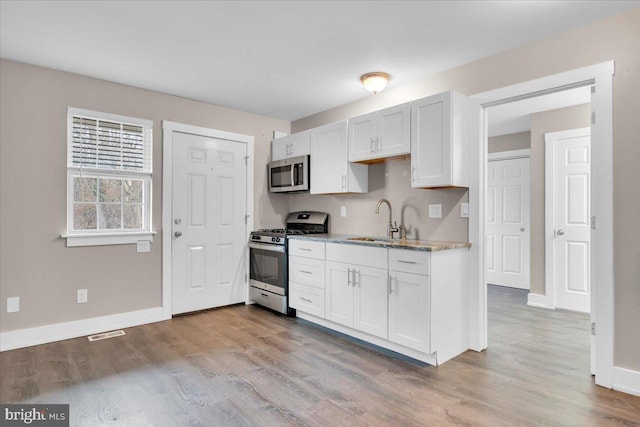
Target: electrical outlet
{"x": 435, "y": 211}
{"x": 83, "y": 296}
{"x": 144, "y": 245}
{"x": 343, "y": 211}
{"x": 464, "y": 210}
{"x": 13, "y": 304}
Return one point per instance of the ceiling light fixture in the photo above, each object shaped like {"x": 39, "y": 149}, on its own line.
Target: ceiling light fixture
{"x": 375, "y": 82}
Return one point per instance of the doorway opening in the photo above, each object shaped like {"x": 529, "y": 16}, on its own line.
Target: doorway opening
{"x": 602, "y": 309}
{"x": 537, "y": 188}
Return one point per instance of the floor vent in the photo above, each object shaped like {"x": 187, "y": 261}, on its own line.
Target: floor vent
{"x": 105, "y": 335}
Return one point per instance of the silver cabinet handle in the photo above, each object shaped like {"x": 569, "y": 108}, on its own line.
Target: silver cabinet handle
{"x": 359, "y": 277}
{"x": 349, "y": 283}
{"x": 306, "y": 300}
{"x": 407, "y": 262}
{"x": 378, "y": 145}
{"x": 305, "y": 249}
{"x": 560, "y": 232}
{"x": 371, "y": 147}
{"x": 390, "y": 287}
{"x": 305, "y": 272}
{"x": 413, "y": 173}
{"x": 344, "y": 181}
{"x": 178, "y": 233}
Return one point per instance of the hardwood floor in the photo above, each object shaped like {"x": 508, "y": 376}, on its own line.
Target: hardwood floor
{"x": 245, "y": 366}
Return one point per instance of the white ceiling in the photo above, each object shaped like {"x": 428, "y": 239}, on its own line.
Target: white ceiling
{"x": 284, "y": 59}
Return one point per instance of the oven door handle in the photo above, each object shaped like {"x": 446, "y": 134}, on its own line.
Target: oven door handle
{"x": 266, "y": 247}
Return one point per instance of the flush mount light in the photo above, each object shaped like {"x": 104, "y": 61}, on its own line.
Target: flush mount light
{"x": 375, "y": 82}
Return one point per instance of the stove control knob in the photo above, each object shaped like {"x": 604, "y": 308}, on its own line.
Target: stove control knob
{"x": 273, "y": 239}
{"x": 277, "y": 239}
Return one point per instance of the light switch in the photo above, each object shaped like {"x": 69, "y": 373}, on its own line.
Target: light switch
{"x": 343, "y": 211}
{"x": 435, "y": 211}
{"x": 464, "y": 210}
{"x": 144, "y": 246}
{"x": 13, "y": 304}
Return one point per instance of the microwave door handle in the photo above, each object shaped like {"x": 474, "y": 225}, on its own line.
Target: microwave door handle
{"x": 293, "y": 167}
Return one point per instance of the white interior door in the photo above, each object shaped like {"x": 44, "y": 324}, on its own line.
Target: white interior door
{"x": 208, "y": 222}
{"x": 569, "y": 233}
{"x": 507, "y": 248}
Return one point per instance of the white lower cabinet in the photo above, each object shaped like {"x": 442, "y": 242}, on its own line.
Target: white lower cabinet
{"x": 410, "y": 310}
{"x": 306, "y": 277}
{"x": 356, "y": 296}
{"x": 409, "y": 301}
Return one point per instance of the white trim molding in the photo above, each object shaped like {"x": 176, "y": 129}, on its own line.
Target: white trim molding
{"x": 20, "y": 338}
{"x": 525, "y": 153}
{"x": 600, "y": 77}
{"x": 537, "y": 300}
{"x": 626, "y": 381}
{"x": 168, "y": 128}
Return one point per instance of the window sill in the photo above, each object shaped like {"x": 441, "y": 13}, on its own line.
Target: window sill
{"x": 103, "y": 239}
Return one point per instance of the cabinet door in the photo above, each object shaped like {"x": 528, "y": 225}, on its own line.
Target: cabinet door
{"x": 299, "y": 144}
{"x": 329, "y": 159}
{"x": 370, "y": 293}
{"x": 410, "y": 310}
{"x": 339, "y": 293}
{"x": 394, "y": 131}
{"x": 363, "y": 137}
{"x": 280, "y": 148}
{"x": 431, "y": 141}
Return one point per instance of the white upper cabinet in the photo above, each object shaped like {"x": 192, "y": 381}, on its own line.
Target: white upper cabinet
{"x": 329, "y": 169}
{"x": 290, "y": 146}
{"x": 439, "y": 139}
{"x": 380, "y": 135}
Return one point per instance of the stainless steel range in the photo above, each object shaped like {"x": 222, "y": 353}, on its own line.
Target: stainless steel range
{"x": 268, "y": 250}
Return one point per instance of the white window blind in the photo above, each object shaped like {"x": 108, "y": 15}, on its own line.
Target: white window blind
{"x": 109, "y": 144}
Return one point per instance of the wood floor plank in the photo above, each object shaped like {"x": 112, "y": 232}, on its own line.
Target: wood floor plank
{"x": 244, "y": 366}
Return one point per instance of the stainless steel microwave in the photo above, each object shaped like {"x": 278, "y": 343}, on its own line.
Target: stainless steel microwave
{"x": 289, "y": 175}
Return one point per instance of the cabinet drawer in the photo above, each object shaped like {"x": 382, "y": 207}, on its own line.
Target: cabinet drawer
{"x": 357, "y": 254}
{"x": 410, "y": 261}
{"x": 306, "y": 248}
{"x": 306, "y": 298}
{"x": 308, "y": 271}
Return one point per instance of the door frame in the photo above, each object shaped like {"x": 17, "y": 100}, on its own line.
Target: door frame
{"x": 549, "y": 209}
{"x": 524, "y": 153}
{"x": 600, "y": 76}
{"x": 168, "y": 128}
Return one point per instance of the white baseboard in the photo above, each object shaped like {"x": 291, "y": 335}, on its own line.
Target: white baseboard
{"x": 626, "y": 380}
{"x": 61, "y": 331}
{"x": 537, "y": 300}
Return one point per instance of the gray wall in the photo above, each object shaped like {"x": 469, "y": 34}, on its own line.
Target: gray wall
{"x": 547, "y": 121}
{"x": 512, "y": 141}
{"x": 615, "y": 38}
{"x": 35, "y": 264}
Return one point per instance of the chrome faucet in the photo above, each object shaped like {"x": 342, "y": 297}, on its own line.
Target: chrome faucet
{"x": 392, "y": 227}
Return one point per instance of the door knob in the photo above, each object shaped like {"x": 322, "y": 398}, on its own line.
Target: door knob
{"x": 178, "y": 233}
{"x": 560, "y": 232}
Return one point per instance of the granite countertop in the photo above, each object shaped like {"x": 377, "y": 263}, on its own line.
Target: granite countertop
{"x": 383, "y": 242}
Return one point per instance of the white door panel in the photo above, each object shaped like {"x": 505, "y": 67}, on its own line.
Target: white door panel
{"x": 507, "y": 223}
{"x": 570, "y": 232}
{"x": 208, "y": 209}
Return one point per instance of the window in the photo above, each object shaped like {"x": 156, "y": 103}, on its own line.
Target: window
{"x": 109, "y": 169}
